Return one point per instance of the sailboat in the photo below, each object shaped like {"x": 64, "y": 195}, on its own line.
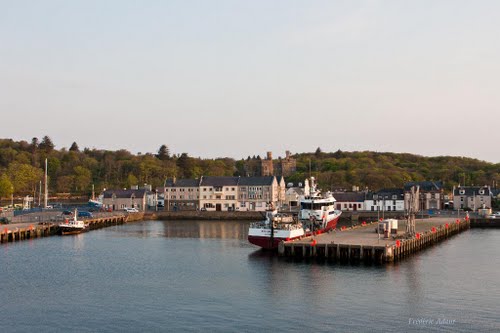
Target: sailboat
{"x": 92, "y": 201}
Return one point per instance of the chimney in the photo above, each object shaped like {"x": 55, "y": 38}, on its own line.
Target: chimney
{"x": 269, "y": 155}
{"x": 287, "y": 154}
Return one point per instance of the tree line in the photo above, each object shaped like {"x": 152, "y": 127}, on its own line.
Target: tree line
{"x": 73, "y": 171}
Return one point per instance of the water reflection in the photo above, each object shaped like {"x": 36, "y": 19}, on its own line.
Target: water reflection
{"x": 189, "y": 229}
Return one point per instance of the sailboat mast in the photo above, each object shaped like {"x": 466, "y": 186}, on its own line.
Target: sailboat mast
{"x": 46, "y": 198}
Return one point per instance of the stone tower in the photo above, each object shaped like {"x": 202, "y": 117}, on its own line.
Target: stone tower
{"x": 267, "y": 168}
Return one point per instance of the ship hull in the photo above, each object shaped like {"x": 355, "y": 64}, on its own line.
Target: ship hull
{"x": 72, "y": 231}
{"x": 330, "y": 225}
{"x": 265, "y": 242}
{"x": 68, "y": 230}
{"x": 262, "y": 236}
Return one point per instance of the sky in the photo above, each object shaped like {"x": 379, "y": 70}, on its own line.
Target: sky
{"x": 238, "y": 78}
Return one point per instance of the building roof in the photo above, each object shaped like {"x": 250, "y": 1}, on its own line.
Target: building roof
{"x": 426, "y": 186}
{"x": 124, "y": 194}
{"x": 386, "y": 193}
{"x": 471, "y": 190}
{"x": 219, "y": 181}
{"x": 349, "y": 196}
{"x": 256, "y": 181}
{"x": 182, "y": 183}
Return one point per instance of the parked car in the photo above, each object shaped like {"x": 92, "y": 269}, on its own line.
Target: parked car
{"x": 67, "y": 213}
{"x": 131, "y": 210}
{"x": 494, "y": 216}
{"x": 85, "y": 214}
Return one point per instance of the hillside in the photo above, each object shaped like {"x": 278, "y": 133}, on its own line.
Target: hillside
{"x": 74, "y": 171}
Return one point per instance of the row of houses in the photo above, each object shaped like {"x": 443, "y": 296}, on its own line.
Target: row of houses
{"x": 224, "y": 193}
{"x": 258, "y": 193}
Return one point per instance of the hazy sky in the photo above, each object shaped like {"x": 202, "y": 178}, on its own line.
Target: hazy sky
{"x": 238, "y": 78}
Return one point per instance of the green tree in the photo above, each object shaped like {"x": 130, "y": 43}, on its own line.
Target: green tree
{"x": 24, "y": 177}
{"x": 65, "y": 184}
{"x": 6, "y": 187}
{"x": 131, "y": 180}
{"x": 83, "y": 178}
{"x": 47, "y": 145}
{"x": 74, "y": 147}
{"x": 163, "y": 153}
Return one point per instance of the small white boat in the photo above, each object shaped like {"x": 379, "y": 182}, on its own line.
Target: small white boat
{"x": 74, "y": 226}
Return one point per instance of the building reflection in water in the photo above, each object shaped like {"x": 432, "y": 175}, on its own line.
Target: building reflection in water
{"x": 205, "y": 229}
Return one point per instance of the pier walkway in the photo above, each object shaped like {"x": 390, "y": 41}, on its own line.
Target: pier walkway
{"x": 362, "y": 243}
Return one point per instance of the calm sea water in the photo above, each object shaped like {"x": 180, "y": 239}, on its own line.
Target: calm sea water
{"x": 204, "y": 277}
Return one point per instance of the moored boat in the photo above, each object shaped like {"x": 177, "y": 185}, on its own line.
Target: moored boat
{"x": 275, "y": 228}
{"x": 317, "y": 211}
{"x": 73, "y": 226}
{"x": 317, "y": 215}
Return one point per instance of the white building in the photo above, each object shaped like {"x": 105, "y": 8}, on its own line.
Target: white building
{"x": 388, "y": 200}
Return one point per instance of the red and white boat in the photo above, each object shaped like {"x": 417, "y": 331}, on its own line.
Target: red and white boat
{"x": 317, "y": 215}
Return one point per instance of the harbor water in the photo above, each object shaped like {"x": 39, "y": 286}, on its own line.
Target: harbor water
{"x": 203, "y": 276}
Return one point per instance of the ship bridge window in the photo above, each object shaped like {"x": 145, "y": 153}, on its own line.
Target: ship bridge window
{"x": 308, "y": 205}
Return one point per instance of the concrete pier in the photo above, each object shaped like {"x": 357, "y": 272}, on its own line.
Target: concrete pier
{"x": 363, "y": 244}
